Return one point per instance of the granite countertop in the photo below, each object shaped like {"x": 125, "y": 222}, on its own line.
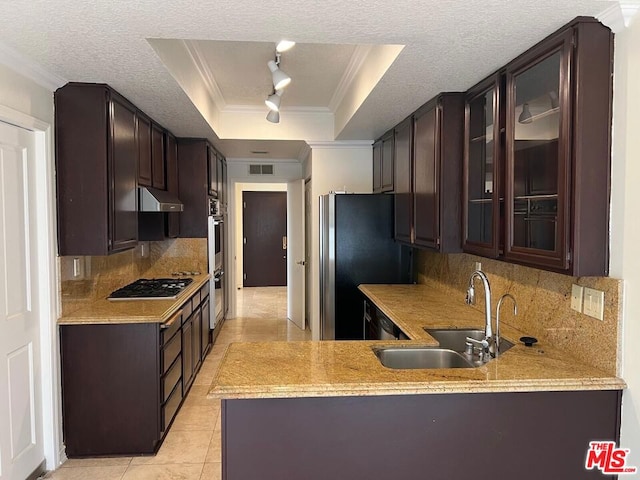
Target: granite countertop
{"x": 350, "y": 368}
{"x": 135, "y": 311}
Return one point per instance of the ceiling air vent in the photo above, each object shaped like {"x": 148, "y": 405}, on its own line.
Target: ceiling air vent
{"x": 260, "y": 169}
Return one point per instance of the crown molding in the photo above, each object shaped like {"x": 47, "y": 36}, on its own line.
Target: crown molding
{"x": 304, "y": 152}
{"x": 205, "y": 73}
{"x": 30, "y": 69}
{"x": 619, "y": 15}
{"x": 355, "y": 64}
{"x": 341, "y": 144}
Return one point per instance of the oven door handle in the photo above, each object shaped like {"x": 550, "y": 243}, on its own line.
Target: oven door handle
{"x": 218, "y": 276}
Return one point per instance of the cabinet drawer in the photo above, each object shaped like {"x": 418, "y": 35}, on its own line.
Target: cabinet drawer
{"x": 170, "y": 408}
{"x": 170, "y": 328}
{"x": 204, "y": 292}
{"x": 195, "y": 300}
{"x": 187, "y": 309}
{"x": 170, "y": 352}
{"x": 171, "y": 378}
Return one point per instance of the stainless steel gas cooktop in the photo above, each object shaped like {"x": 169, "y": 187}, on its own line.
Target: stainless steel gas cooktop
{"x": 151, "y": 289}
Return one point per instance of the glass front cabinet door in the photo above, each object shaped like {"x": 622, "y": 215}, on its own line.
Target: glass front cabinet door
{"x": 537, "y": 155}
{"x": 481, "y": 204}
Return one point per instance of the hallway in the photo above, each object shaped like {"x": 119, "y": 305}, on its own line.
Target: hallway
{"x": 192, "y": 449}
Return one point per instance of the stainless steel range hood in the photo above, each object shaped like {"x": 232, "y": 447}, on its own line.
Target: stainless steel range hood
{"x": 154, "y": 200}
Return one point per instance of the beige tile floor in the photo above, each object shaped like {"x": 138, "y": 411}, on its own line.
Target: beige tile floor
{"x": 191, "y": 450}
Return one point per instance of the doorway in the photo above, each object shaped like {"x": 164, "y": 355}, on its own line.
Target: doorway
{"x": 264, "y": 226}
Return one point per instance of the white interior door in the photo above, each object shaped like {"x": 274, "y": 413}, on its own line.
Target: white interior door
{"x": 295, "y": 253}
{"x": 21, "y": 436}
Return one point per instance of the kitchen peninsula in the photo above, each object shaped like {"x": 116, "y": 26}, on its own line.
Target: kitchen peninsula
{"x": 320, "y": 410}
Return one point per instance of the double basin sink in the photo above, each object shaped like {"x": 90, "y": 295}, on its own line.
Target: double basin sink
{"x": 450, "y": 353}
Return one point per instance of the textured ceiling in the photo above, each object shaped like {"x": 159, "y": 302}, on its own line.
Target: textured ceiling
{"x": 286, "y": 150}
{"x": 450, "y": 44}
{"x": 240, "y": 71}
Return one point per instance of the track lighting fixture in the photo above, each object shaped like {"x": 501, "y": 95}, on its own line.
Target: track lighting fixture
{"x": 273, "y": 116}
{"x": 280, "y": 80}
{"x": 273, "y": 100}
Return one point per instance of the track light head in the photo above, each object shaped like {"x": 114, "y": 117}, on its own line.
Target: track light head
{"x": 284, "y": 45}
{"x": 280, "y": 79}
{"x": 273, "y": 116}
{"x": 273, "y": 101}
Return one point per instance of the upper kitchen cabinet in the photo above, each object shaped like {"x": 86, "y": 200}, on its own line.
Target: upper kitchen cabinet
{"x": 173, "y": 186}
{"x": 437, "y": 173}
{"x": 96, "y": 170}
{"x": 403, "y": 179}
{"x": 221, "y": 178}
{"x": 557, "y": 155}
{"x": 212, "y": 161}
{"x": 383, "y": 163}
{"x": 143, "y": 138}
{"x": 194, "y": 157}
{"x": 482, "y": 161}
{"x": 158, "y": 156}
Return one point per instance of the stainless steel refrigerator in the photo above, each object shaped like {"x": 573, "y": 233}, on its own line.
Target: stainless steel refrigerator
{"x": 356, "y": 246}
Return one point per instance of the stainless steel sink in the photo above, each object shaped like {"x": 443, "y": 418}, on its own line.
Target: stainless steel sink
{"x": 455, "y": 339}
{"x": 421, "y": 357}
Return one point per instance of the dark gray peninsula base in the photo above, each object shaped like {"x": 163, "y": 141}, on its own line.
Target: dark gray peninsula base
{"x": 492, "y": 436}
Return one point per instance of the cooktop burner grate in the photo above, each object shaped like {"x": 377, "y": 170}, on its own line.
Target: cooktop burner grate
{"x": 151, "y": 289}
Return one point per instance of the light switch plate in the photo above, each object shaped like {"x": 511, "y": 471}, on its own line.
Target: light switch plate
{"x": 593, "y": 303}
{"x": 576, "y": 297}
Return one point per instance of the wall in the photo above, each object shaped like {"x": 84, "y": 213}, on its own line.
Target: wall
{"x": 104, "y": 274}
{"x": 625, "y": 228}
{"x": 544, "y": 303}
{"x": 335, "y": 166}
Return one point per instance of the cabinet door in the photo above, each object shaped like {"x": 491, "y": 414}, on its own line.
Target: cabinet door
{"x": 157, "y": 156}
{"x": 171, "y": 156}
{"x": 220, "y": 166}
{"x": 403, "y": 183}
{"x": 187, "y": 352}
{"x": 377, "y": 167}
{"x": 387, "y": 163}
{"x": 538, "y": 155}
{"x": 143, "y": 138}
{"x": 482, "y": 172}
{"x": 197, "y": 339}
{"x": 212, "y": 161}
{"x": 123, "y": 201}
{"x": 206, "y": 312}
{"x": 425, "y": 178}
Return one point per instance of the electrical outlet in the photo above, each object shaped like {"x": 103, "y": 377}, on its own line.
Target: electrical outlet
{"x": 576, "y": 297}
{"x": 593, "y": 303}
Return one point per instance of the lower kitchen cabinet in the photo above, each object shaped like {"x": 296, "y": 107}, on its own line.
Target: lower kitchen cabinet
{"x": 484, "y": 436}
{"x": 123, "y": 384}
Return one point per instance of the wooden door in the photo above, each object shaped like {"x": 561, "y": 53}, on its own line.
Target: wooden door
{"x": 403, "y": 193}
{"x": 264, "y": 223}
{"x": 425, "y": 178}
{"x": 21, "y": 441}
{"x": 296, "y": 253}
{"x": 123, "y": 224}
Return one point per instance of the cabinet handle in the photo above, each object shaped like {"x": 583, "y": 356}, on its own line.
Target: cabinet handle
{"x": 171, "y": 321}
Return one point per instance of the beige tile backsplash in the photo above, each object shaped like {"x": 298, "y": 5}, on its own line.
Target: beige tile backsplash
{"x": 103, "y": 274}
{"x": 544, "y": 303}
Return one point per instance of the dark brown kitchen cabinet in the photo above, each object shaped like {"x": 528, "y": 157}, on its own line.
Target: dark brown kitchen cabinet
{"x": 403, "y": 145}
{"x": 193, "y": 167}
{"x": 96, "y": 170}
{"x": 143, "y": 139}
{"x": 171, "y": 156}
{"x": 206, "y": 312}
{"x": 437, "y": 172}
{"x": 158, "y": 156}
{"x": 221, "y": 166}
{"x": 558, "y": 124}
{"x": 188, "y": 366}
{"x": 482, "y": 191}
{"x": 212, "y": 161}
{"x": 383, "y": 163}
{"x": 538, "y": 153}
